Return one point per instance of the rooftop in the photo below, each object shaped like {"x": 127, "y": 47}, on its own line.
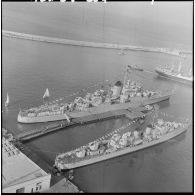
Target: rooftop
{"x": 17, "y": 167}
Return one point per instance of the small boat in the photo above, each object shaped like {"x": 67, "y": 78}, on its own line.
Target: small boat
{"x": 122, "y": 52}
{"x": 135, "y": 67}
{"x": 176, "y": 75}
{"x": 120, "y": 144}
{"x": 46, "y": 94}
{"x": 7, "y": 101}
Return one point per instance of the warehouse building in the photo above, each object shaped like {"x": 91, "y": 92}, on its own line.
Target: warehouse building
{"x": 19, "y": 173}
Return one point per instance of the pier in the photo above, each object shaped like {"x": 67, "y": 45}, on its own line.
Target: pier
{"x": 47, "y": 39}
{"x": 130, "y": 110}
{"x": 128, "y": 113}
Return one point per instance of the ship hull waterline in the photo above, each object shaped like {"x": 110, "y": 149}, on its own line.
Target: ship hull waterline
{"x": 94, "y": 110}
{"x": 174, "y": 78}
{"x": 127, "y": 150}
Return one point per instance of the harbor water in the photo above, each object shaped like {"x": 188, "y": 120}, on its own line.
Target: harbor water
{"x": 29, "y": 67}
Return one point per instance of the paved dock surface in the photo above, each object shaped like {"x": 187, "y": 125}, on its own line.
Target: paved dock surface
{"x": 63, "y": 186}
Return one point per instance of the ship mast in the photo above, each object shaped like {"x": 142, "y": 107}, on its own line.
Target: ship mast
{"x": 126, "y": 74}
{"x": 172, "y": 67}
{"x": 180, "y": 66}
{"x": 190, "y": 72}
{"x": 156, "y": 111}
{"x": 103, "y": 23}
{"x": 151, "y": 119}
{"x": 125, "y": 77}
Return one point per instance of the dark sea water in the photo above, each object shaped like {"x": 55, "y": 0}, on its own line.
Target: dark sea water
{"x": 28, "y": 68}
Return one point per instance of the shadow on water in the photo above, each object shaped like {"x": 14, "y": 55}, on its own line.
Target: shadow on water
{"x": 164, "y": 104}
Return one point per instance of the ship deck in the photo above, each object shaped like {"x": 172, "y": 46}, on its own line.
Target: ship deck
{"x": 119, "y": 152}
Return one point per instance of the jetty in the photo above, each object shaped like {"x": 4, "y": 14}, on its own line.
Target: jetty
{"x": 129, "y": 113}
{"x": 47, "y": 39}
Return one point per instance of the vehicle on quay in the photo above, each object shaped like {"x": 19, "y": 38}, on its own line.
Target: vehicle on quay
{"x": 120, "y": 96}
{"x": 119, "y": 142}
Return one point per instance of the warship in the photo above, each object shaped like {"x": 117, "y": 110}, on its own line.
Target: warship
{"x": 124, "y": 95}
{"x": 122, "y": 141}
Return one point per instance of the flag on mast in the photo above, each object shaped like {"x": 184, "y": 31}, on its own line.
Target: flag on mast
{"x": 7, "y": 101}
{"x": 46, "y": 94}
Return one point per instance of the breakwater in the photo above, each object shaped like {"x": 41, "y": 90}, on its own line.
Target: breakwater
{"x": 47, "y": 39}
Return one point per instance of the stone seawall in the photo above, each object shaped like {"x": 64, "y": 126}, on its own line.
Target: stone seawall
{"x": 90, "y": 44}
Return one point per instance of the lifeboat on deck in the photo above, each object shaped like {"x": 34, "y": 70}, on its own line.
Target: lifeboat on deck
{"x": 93, "y": 146}
{"x": 81, "y": 153}
{"x": 123, "y": 142}
{"x": 115, "y": 137}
